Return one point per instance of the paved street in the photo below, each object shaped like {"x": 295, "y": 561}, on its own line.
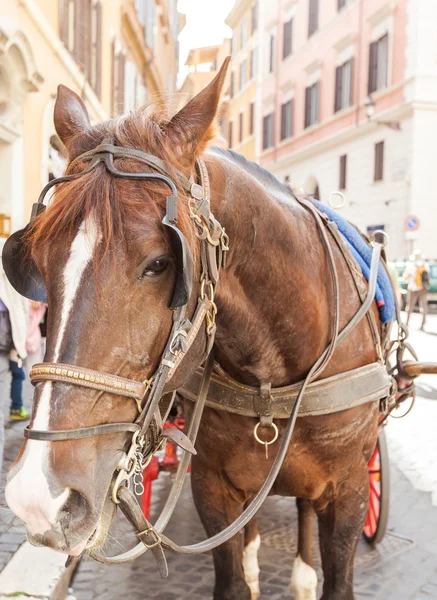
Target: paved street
{"x": 403, "y": 567}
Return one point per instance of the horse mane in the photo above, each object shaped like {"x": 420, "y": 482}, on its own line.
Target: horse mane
{"x": 116, "y": 205}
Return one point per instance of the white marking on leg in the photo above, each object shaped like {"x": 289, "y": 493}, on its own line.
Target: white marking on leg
{"x": 250, "y": 566}
{"x": 303, "y": 580}
{"x": 28, "y": 492}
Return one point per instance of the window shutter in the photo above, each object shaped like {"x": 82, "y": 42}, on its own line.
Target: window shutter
{"x": 241, "y": 127}
{"x": 272, "y": 53}
{"x": 98, "y": 53}
{"x": 287, "y": 42}
{"x": 379, "y": 162}
{"x": 313, "y": 21}
{"x": 114, "y": 80}
{"x": 64, "y": 21}
{"x": 230, "y": 141}
{"x": 317, "y": 91}
{"x": 82, "y": 34}
{"x": 373, "y": 67}
{"x": 343, "y": 167}
{"x": 252, "y": 118}
{"x": 338, "y": 78}
{"x": 307, "y": 106}
{"x": 121, "y": 80}
{"x": 351, "y": 89}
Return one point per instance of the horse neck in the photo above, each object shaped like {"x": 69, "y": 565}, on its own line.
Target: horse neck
{"x": 273, "y": 305}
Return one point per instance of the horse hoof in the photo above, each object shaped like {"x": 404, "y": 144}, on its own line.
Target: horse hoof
{"x": 303, "y": 581}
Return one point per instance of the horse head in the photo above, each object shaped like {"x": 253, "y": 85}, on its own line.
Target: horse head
{"x": 112, "y": 272}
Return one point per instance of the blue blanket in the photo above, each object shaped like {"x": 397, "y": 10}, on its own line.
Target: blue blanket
{"x": 362, "y": 253}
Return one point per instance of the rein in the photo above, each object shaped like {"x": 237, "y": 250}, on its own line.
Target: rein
{"x": 147, "y": 429}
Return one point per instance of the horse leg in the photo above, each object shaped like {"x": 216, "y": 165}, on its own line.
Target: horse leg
{"x": 304, "y": 578}
{"x": 341, "y": 521}
{"x": 252, "y": 543}
{"x": 218, "y": 505}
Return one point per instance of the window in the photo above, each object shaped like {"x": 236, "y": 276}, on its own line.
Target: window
{"x": 287, "y": 120}
{"x": 287, "y": 47}
{"x": 312, "y": 94}
{"x": 117, "y": 79}
{"x": 341, "y": 4}
{"x": 343, "y": 85}
{"x": 243, "y": 71}
{"x": 271, "y": 53}
{"x": 81, "y": 33}
{"x": 251, "y": 118}
{"x": 253, "y": 62}
{"x": 378, "y": 61}
{"x": 313, "y": 21}
{"x": 343, "y": 168}
{"x": 241, "y": 133}
{"x": 232, "y": 84}
{"x": 379, "y": 162}
{"x": 254, "y": 17}
{"x": 233, "y": 43}
{"x": 95, "y": 76}
{"x": 230, "y": 134}
{"x": 268, "y": 131}
{"x": 243, "y": 37}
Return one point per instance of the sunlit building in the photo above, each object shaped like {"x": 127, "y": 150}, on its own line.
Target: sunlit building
{"x": 116, "y": 55}
{"x": 349, "y": 103}
{"x": 241, "y": 124}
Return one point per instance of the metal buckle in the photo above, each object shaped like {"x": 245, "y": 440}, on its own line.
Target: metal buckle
{"x": 147, "y": 531}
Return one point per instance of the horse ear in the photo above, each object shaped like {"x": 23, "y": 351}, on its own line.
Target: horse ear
{"x": 71, "y": 115}
{"x": 193, "y": 126}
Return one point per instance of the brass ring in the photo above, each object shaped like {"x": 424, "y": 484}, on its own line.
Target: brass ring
{"x": 336, "y": 206}
{"x": 260, "y": 441}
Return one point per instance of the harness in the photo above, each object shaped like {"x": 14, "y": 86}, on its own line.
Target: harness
{"x": 148, "y": 434}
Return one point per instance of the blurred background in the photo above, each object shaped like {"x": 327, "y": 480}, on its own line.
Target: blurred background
{"x": 328, "y": 95}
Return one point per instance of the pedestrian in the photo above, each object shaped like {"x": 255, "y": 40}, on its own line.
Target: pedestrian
{"x": 13, "y": 334}
{"x": 417, "y": 275}
{"x": 33, "y": 346}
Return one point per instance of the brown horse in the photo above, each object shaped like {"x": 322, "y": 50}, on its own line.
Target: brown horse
{"x": 109, "y": 267}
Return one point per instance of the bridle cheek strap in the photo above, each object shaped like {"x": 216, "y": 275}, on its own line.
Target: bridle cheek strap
{"x": 114, "y": 384}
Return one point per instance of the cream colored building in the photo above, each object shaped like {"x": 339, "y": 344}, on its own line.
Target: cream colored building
{"x": 202, "y": 66}
{"x": 241, "y": 123}
{"x": 117, "y": 54}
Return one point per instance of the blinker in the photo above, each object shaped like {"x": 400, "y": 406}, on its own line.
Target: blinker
{"x": 24, "y": 275}
{"x": 19, "y": 266}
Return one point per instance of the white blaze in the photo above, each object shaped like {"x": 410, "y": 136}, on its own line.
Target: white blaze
{"x": 28, "y": 493}
{"x": 303, "y": 580}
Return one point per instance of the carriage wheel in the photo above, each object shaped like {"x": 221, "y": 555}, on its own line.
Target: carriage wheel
{"x": 379, "y": 492}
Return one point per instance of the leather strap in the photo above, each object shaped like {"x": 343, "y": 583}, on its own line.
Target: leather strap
{"x": 146, "y": 533}
{"x": 324, "y": 396}
{"x": 88, "y": 378}
{"x": 80, "y": 433}
{"x": 153, "y": 161}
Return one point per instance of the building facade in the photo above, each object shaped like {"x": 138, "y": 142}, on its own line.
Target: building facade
{"x": 241, "y": 125}
{"x": 116, "y": 55}
{"x": 348, "y": 102}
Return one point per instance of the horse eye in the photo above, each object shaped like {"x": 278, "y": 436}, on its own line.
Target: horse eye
{"x": 156, "y": 267}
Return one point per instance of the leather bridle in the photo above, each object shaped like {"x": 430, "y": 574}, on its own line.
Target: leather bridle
{"x": 147, "y": 430}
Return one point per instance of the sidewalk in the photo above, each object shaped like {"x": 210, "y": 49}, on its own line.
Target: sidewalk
{"x": 403, "y": 567}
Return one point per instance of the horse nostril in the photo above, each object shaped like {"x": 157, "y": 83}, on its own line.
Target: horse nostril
{"x": 74, "y": 512}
